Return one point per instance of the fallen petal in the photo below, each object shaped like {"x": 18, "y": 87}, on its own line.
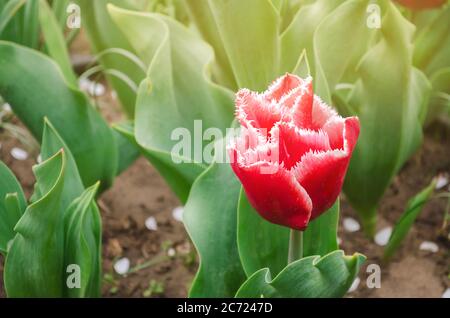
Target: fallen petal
{"x": 122, "y": 266}
{"x": 151, "y": 224}
{"x": 19, "y": 154}
{"x": 351, "y": 225}
{"x": 446, "y": 294}
{"x": 177, "y": 213}
{"x": 429, "y": 247}
{"x": 382, "y": 237}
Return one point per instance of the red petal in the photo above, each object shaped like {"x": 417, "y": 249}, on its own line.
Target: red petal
{"x": 293, "y": 143}
{"x": 276, "y": 196}
{"x": 255, "y": 111}
{"x": 322, "y": 174}
{"x": 282, "y": 86}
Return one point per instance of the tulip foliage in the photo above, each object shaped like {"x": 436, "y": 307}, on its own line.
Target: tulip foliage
{"x": 53, "y": 244}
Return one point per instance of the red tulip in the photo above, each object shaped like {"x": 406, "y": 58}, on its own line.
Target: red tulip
{"x": 421, "y": 4}
{"x": 293, "y": 151}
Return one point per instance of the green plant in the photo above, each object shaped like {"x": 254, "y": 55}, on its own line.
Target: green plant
{"x": 53, "y": 244}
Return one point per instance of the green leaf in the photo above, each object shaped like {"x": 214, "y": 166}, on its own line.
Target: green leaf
{"x": 34, "y": 87}
{"x": 336, "y": 58}
{"x": 254, "y": 53}
{"x": 432, "y": 45}
{"x": 34, "y": 262}
{"x": 83, "y": 243}
{"x": 413, "y": 209}
{"x": 310, "y": 277}
{"x": 179, "y": 177}
{"x": 298, "y": 36}
{"x": 52, "y": 142}
{"x": 8, "y": 12}
{"x": 261, "y": 243}
{"x": 211, "y": 221}
{"x": 267, "y": 244}
{"x": 103, "y": 35}
{"x": 55, "y": 42}
{"x": 201, "y": 14}
{"x": 320, "y": 238}
{"x": 392, "y": 106}
{"x": 12, "y": 206}
{"x": 176, "y": 95}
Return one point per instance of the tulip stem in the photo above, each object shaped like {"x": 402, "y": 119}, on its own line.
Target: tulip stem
{"x": 295, "y": 246}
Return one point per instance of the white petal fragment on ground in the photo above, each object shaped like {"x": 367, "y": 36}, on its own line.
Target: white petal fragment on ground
{"x": 382, "y": 237}
{"x": 429, "y": 247}
{"x": 355, "y": 285}
{"x": 442, "y": 181}
{"x": 446, "y": 294}
{"x": 351, "y": 225}
{"x": 171, "y": 252}
{"x": 339, "y": 240}
{"x": 177, "y": 213}
{"x": 122, "y": 266}
{"x": 151, "y": 224}
{"x": 39, "y": 159}
{"x": 19, "y": 154}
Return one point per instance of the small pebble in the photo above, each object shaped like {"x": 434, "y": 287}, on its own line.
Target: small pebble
{"x": 177, "y": 213}
{"x": 382, "y": 237}
{"x": 351, "y": 225}
{"x": 39, "y": 159}
{"x": 355, "y": 285}
{"x": 446, "y": 294}
{"x": 339, "y": 240}
{"x": 151, "y": 224}
{"x": 171, "y": 252}
{"x": 442, "y": 181}
{"x": 19, "y": 154}
{"x": 122, "y": 266}
{"x": 429, "y": 246}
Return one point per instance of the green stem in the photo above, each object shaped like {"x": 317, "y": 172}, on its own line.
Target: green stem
{"x": 295, "y": 246}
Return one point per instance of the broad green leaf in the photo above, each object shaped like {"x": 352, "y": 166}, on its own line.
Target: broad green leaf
{"x": 11, "y": 196}
{"x": 320, "y": 238}
{"x": 210, "y": 217}
{"x": 336, "y": 56}
{"x": 9, "y": 10}
{"x": 201, "y": 14}
{"x": 298, "y": 36}
{"x": 177, "y": 101}
{"x": 104, "y": 35}
{"x": 179, "y": 179}
{"x": 389, "y": 111}
{"x": 261, "y": 244}
{"x": 413, "y": 209}
{"x": 249, "y": 31}
{"x": 31, "y": 29}
{"x": 267, "y": 244}
{"x": 309, "y": 277}
{"x": 34, "y": 262}
{"x": 52, "y": 142}
{"x": 55, "y": 42}
{"x": 83, "y": 244}
{"x": 34, "y": 86}
{"x": 440, "y": 101}
{"x": 432, "y": 45}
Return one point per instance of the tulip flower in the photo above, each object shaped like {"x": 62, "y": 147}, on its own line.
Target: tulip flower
{"x": 421, "y": 4}
{"x": 293, "y": 151}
